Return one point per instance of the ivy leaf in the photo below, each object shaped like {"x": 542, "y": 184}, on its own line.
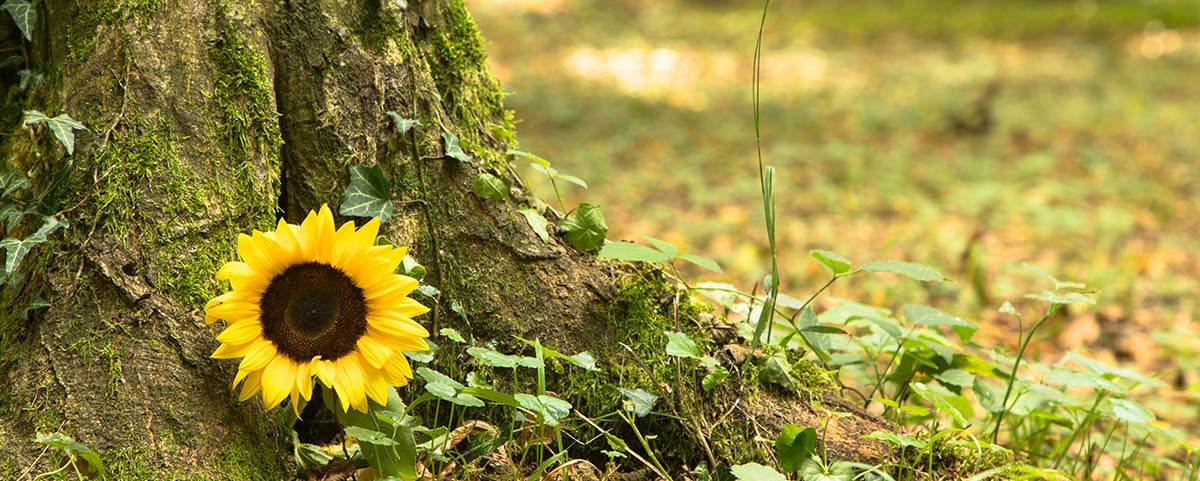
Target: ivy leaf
{"x": 835, "y": 262}
{"x": 793, "y": 446}
{"x": 403, "y": 125}
{"x": 489, "y": 187}
{"x": 638, "y": 400}
{"x": 368, "y": 195}
{"x": 628, "y": 251}
{"x": 73, "y": 448}
{"x": 30, "y": 79}
{"x": 63, "y": 126}
{"x": 585, "y": 227}
{"x": 702, "y": 262}
{"x": 537, "y": 222}
{"x": 680, "y": 345}
{"x": 453, "y": 149}
{"x": 909, "y": 269}
{"x": 15, "y": 250}
{"x": 24, "y": 13}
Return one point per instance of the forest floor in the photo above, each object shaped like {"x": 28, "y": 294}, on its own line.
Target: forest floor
{"x": 971, "y": 137}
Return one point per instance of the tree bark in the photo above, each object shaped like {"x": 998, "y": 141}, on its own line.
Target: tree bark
{"x": 208, "y": 119}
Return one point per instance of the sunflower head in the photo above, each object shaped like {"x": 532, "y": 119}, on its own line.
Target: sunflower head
{"x": 308, "y": 300}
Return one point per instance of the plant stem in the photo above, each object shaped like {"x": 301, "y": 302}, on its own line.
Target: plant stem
{"x": 1012, "y": 378}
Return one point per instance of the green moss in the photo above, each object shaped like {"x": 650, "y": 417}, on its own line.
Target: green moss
{"x": 82, "y": 30}
{"x": 380, "y": 31}
{"x": 247, "y": 123}
{"x": 473, "y": 97}
{"x": 248, "y": 461}
{"x": 129, "y": 464}
{"x": 813, "y": 380}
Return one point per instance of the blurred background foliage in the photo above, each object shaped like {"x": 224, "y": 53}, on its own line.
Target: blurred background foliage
{"x": 972, "y": 136}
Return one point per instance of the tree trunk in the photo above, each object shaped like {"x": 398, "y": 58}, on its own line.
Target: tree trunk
{"x": 208, "y": 119}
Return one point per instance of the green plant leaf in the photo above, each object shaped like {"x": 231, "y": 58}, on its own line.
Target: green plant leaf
{"x": 402, "y": 124}
{"x": 452, "y": 334}
{"x": 928, "y": 316}
{"x": 16, "y": 249}
{"x": 1127, "y": 410}
{"x": 702, "y": 262}
{"x": 24, "y": 13}
{"x": 454, "y": 150}
{"x": 550, "y": 409}
{"x": 956, "y": 377}
{"x": 368, "y": 195}
{"x": 536, "y": 222}
{"x": 369, "y": 436}
{"x": 528, "y": 155}
{"x": 663, "y": 246}
{"x": 898, "y": 440}
{"x": 490, "y": 187}
{"x": 73, "y": 448}
{"x": 680, "y": 345}
{"x": 835, "y": 262}
{"x": 945, "y": 401}
{"x": 1062, "y": 299}
{"x": 584, "y": 360}
{"x": 794, "y": 446}
{"x": 638, "y": 400}
{"x": 585, "y": 227}
{"x": 447, "y": 389}
{"x": 776, "y": 369}
{"x": 714, "y": 378}
{"x": 572, "y": 179}
{"x": 628, "y": 251}
{"x": 756, "y": 472}
{"x": 496, "y": 359}
{"x": 62, "y": 125}
{"x": 909, "y": 269}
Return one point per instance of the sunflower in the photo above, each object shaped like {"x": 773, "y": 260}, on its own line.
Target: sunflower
{"x": 311, "y": 301}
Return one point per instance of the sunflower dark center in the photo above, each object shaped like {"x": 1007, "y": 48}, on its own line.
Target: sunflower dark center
{"x": 313, "y": 309}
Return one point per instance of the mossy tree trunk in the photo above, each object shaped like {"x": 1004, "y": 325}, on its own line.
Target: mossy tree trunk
{"x": 210, "y": 118}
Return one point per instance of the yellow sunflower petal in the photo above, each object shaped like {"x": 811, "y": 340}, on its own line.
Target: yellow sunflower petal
{"x": 373, "y": 352}
{"x": 231, "y": 351}
{"x": 235, "y": 269}
{"x": 349, "y": 383}
{"x": 323, "y": 234}
{"x": 285, "y": 235}
{"x": 365, "y": 236}
{"x": 260, "y": 353}
{"x": 325, "y": 370}
{"x": 397, "y": 326}
{"x": 343, "y": 244}
{"x": 304, "y": 378}
{"x": 252, "y": 386}
{"x": 377, "y": 389}
{"x": 397, "y": 371}
{"x": 240, "y": 333}
{"x": 278, "y": 381}
{"x": 405, "y": 343}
